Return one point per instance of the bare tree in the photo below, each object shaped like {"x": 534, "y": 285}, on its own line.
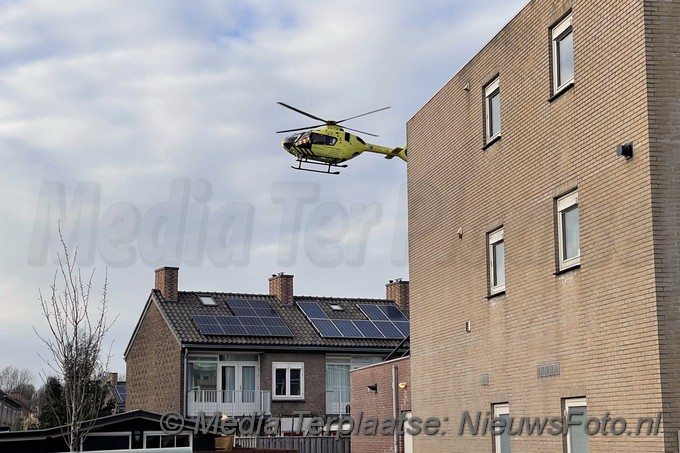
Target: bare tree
{"x": 17, "y": 381}
{"x": 76, "y": 342}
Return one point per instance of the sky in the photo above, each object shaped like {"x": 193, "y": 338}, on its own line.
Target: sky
{"x": 147, "y": 131}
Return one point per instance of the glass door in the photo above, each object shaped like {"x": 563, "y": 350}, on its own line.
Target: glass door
{"x": 239, "y": 389}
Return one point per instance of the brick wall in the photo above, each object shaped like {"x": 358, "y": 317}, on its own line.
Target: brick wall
{"x": 378, "y": 404}
{"x": 154, "y": 367}
{"x": 315, "y": 383}
{"x": 600, "y": 321}
{"x": 662, "y": 21}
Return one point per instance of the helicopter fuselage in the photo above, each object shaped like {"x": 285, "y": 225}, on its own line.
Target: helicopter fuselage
{"x": 333, "y": 145}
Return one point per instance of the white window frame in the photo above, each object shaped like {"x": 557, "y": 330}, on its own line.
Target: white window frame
{"x": 495, "y": 237}
{"x": 164, "y": 434}
{"x": 127, "y": 434}
{"x": 559, "y": 31}
{"x": 208, "y": 301}
{"x": 498, "y": 410}
{"x": 490, "y": 91}
{"x": 288, "y": 366}
{"x": 564, "y": 203}
{"x": 568, "y": 404}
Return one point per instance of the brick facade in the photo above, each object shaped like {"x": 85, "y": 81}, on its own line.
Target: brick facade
{"x": 315, "y": 383}
{"x": 612, "y": 324}
{"x": 379, "y": 404}
{"x": 154, "y": 366}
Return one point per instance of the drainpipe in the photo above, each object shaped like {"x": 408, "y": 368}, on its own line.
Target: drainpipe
{"x": 183, "y": 387}
{"x": 395, "y": 396}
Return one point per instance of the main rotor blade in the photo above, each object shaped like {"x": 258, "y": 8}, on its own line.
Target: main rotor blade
{"x": 303, "y": 113}
{"x": 300, "y": 129}
{"x": 363, "y": 114}
{"x": 361, "y": 132}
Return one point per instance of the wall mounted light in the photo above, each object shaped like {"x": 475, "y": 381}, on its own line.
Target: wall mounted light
{"x": 373, "y": 388}
{"x": 403, "y": 385}
{"x": 625, "y": 150}
{"x": 468, "y": 326}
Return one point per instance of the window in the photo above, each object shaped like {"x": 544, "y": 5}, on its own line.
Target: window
{"x": 207, "y": 300}
{"x": 496, "y": 262}
{"x": 502, "y": 440}
{"x": 575, "y": 409}
{"x": 568, "y": 231}
{"x": 336, "y": 307}
{"x": 288, "y": 380}
{"x": 492, "y": 107}
{"x": 162, "y": 440}
{"x": 562, "y": 55}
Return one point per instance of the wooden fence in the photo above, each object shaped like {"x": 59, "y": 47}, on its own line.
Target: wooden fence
{"x": 324, "y": 444}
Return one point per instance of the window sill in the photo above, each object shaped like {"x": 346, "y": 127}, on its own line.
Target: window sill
{"x": 573, "y": 267}
{"x": 491, "y": 142}
{"x": 561, "y": 91}
{"x": 283, "y": 399}
{"x": 499, "y": 293}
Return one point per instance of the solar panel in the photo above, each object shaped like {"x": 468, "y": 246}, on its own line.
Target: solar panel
{"x": 388, "y": 329}
{"x": 312, "y": 310}
{"x": 368, "y": 329}
{"x": 326, "y": 328}
{"x": 253, "y": 318}
{"x": 347, "y": 328}
{"x": 384, "y": 321}
{"x": 403, "y": 327}
{"x": 393, "y": 313}
{"x": 373, "y": 312}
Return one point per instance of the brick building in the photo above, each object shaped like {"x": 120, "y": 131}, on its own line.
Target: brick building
{"x": 257, "y": 354}
{"x": 544, "y": 221}
{"x": 373, "y": 395}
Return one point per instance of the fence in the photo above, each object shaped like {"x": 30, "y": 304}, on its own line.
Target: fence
{"x": 322, "y": 444}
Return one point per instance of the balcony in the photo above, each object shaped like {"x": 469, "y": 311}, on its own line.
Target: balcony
{"x": 337, "y": 402}
{"x": 234, "y": 403}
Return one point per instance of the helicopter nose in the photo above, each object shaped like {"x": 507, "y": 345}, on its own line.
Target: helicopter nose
{"x": 286, "y": 144}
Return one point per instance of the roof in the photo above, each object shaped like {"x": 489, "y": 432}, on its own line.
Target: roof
{"x": 178, "y": 315}
{"x": 94, "y": 425}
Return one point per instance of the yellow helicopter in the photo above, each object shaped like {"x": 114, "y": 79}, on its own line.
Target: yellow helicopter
{"x": 331, "y": 145}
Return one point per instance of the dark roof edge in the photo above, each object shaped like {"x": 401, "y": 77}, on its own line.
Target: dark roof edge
{"x": 318, "y": 349}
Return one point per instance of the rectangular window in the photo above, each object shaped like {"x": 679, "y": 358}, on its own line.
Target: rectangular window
{"x": 502, "y": 441}
{"x": 496, "y": 262}
{"x": 576, "y": 413}
{"x": 568, "y": 231}
{"x": 562, "y": 54}
{"x": 288, "y": 380}
{"x": 492, "y": 107}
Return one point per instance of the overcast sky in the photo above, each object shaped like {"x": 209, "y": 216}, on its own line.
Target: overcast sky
{"x": 120, "y": 117}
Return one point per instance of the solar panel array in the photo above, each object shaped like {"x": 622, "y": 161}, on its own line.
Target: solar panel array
{"x": 253, "y": 318}
{"x": 384, "y": 321}
{"x": 120, "y": 388}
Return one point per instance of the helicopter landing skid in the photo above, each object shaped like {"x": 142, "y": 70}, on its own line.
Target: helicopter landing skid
{"x": 327, "y": 171}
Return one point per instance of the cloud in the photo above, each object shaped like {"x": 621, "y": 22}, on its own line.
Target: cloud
{"x": 131, "y": 96}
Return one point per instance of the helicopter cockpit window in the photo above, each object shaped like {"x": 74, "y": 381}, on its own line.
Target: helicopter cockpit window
{"x": 320, "y": 139}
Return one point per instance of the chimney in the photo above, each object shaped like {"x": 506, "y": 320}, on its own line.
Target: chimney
{"x": 113, "y": 378}
{"x": 397, "y": 290}
{"x": 166, "y": 282}
{"x": 281, "y": 286}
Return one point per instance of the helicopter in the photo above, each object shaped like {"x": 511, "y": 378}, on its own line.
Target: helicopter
{"x": 331, "y": 145}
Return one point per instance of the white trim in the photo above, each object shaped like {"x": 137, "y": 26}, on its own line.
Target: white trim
{"x": 559, "y": 31}
{"x": 164, "y": 434}
{"x": 565, "y": 203}
{"x": 568, "y": 404}
{"x": 112, "y": 434}
{"x": 498, "y": 410}
{"x": 288, "y": 366}
{"x": 490, "y": 91}
{"x": 495, "y": 237}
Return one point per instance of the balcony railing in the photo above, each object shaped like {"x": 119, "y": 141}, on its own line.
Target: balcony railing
{"x": 234, "y": 403}
{"x": 337, "y": 402}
